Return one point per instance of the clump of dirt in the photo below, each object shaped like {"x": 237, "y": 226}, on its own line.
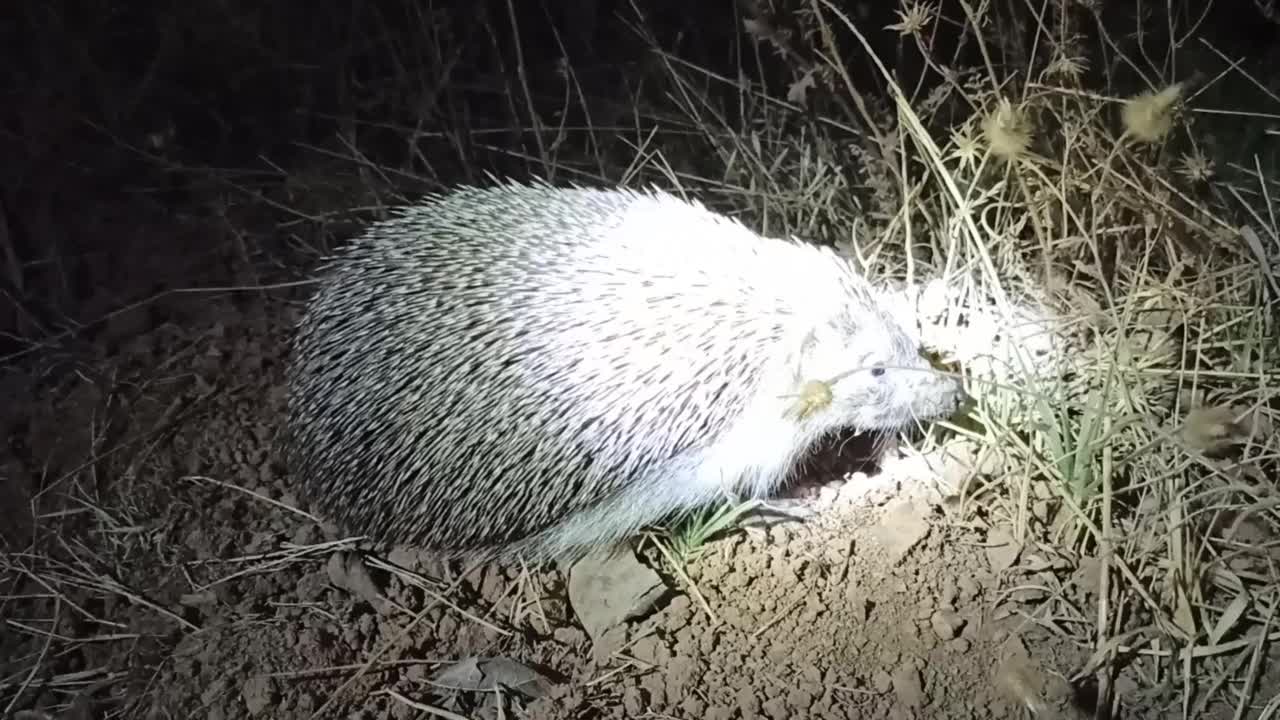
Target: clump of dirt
{"x": 175, "y": 573}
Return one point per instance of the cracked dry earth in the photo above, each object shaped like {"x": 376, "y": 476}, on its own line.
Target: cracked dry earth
{"x": 188, "y": 580}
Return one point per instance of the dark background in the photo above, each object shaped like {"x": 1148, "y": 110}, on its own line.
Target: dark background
{"x": 155, "y": 145}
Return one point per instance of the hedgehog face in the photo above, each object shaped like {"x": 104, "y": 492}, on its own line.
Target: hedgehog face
{"x": 877, "y": 376}
{"x": 893, "y": 394}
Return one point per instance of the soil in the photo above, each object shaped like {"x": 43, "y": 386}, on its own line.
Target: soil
{"x": 188, "y": 580}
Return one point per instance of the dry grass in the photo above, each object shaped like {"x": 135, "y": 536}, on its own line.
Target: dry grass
{"x": 1138, "y": 442}
{"x": 1046, "y": 192}
{"x": 1110, "y": 292}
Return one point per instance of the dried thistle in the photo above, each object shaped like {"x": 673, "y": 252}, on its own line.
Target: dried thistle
{"x": 1008, "y": 131}
{"x": 1067, "y": 67}
{"x": 814, "y": 395}
{"x": 1149, "y": 116}
{"x": 913, "y": 20}
{"x": 1195, "y": 167}
{"x": 966, "y": 148}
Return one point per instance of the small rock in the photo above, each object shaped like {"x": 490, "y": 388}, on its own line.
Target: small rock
{"x": 607, "y": 643}
{"x": 1002, "y": 549}
{"x": 693, "y": 706}
{"x": 679, "y": 613}
{"x": 959, "y": 463}
{"x": 946, "y": 623}
{"x": 681, "y": 672}
{"x": 610, "y": 586}
{"x": 799, "y": 699}
{"x": 306, "y": 534}
{"x": 907, "y": 687}
{"x": 655, "y": 687}
{"x": 777, "y": 709}
{"x": 950, "y": 592}
{"x": 633, "y": 701}
{"x": 896, "y": 585}
{"x": 924, "y": 610}
{"x": 213, "y": 692}
{"x": 646, "y": 649}
{"x": 348, "y": 571}
{"x": 405, "y": 557}
{"x": 569, "y": 636}
{"x": 748, "y": 703}
{"x": 259, "y": 694}
{"x": 900, "y": 527}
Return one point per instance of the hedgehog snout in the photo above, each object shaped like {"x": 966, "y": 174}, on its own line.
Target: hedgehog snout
{"x": 929, "y": 394}
{"x": 894, "y": 396}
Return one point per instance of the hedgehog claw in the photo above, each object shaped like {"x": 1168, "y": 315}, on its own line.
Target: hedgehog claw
{"x": 780, "y": 510}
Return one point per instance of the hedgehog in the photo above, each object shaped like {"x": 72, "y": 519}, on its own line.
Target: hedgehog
{"x": 526, "y": 369}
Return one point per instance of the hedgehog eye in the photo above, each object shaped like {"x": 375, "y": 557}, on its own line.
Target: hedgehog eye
{"x": 877, "y": 371}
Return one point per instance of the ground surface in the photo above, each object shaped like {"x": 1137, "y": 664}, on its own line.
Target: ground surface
{"x": 195, "y": 586}
{"x": 159, "y": 563}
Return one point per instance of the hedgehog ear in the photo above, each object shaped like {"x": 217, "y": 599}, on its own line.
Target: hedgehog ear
{"x": 897, "y": 302}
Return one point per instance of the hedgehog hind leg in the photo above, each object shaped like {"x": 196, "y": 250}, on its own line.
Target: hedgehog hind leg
{"x": 752, "y": 460}
{"x": 668, "y": 489}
